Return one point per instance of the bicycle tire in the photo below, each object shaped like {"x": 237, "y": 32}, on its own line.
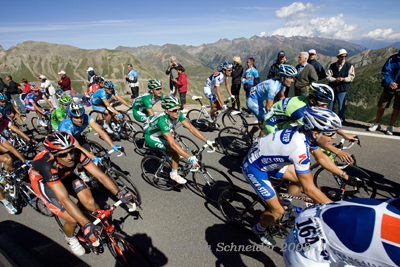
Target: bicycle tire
{"x": 211, "y": 182}
{"x": 29, "y": 196}
{"x": 197, "y": 119}
{"x": 326, "y": 182}
{"x": 126, "y": 252}
{"x": 188, "y": 145}
{"x": 241, "y": 209}
{"x": 237, "y": 121}
{"x": 140, "y": 144}
{"x": 155, "y": 174}
{"x": 234, "y": 142}
{"x": 39, "y": 129}
{"x": 129, "y": 128}
{"x": 121, "y": 180}
{"x": 95, "y": 115}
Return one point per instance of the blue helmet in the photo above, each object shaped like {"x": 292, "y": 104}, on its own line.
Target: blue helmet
{"x": 226, "y": 65}
{"x": 321, "y": 92}
{"x": 3, "y": 97}
{"x": 75, "y": 110}
{"x": 287, "y": 71}
{"x": 108, "y": 84}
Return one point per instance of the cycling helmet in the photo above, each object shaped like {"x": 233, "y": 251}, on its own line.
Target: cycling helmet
{"x": 170, "y": 102}
{"x": 58, "y": 141}
{"x": 75, "y": 110}
{"x": 34, "y": 88}
{"x": 287, "y": 70}
{"x": 3, "y": 97}
{"x": 321, "y": 92}
{"x": 64, "y": 100}
{"x": 226, "y": 65}
{"x": 321, "y": 119}
{"x": 108, "y": 84}
{"x": 98, "y": 79}
{"x": 154, "y": 84}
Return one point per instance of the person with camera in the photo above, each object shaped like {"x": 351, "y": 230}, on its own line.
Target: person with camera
{"x": 173, "y": 74}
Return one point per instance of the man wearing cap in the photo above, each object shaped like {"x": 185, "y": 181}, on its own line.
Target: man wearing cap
{"x": 305, "y": 77}
{"x": 340, "y": 74}
{"x": 132, "y": 79}
{"x": 273, "y": 70}
{"x": 65, "y": 83}
{"x": 317, "y": 66}
{"x": 50, "y": 90}
{"x": 90, "y": 78}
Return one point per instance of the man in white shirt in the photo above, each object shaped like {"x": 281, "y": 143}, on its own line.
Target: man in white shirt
{"x": 50, "y": 90}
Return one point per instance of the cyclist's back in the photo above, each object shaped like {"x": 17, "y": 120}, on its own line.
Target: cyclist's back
{"x": 142, "y": 103}
{"x": 100, "y": 95}
{"x": 358, "y": 232}
{"x": 266, "y": 90}
{"x": 215, "y": 79}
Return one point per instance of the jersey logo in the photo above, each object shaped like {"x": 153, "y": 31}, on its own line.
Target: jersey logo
{"x": 286, "y": 136}
{"x": 215, "y": 74}
{"x": 302, "y": 158}
{"x": 53, "y": 171}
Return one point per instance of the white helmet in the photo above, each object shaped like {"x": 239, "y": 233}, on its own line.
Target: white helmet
{"x": 321, "y": 119}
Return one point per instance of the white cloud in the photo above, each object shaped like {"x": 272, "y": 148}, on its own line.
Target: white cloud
{"x": 262, "y": 34}
{"x": 383, "y": 34}
{"x": 295, "y": 10}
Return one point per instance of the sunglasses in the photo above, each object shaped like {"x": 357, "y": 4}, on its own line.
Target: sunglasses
{"x": 65, "y": 154}
{"x": 174, "y": 110}
{"x": 158, "y": 89}
{"x": 329, "y": 134}
{"x": 229, "y": 70}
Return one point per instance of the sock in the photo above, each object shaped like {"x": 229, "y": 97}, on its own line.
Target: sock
{"x": 174, "y": 172}
{"x": 5, "y": 202}
{"x": 260, "y": 228}
{"x": 69, "y": 239}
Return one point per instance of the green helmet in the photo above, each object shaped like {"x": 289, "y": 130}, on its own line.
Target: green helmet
{"x": 153, "y": 84}
{"x": 64, "y": 100}
{"x": 170, "y": 102}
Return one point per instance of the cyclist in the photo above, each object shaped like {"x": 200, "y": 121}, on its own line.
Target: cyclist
{"x": 290, "y": 111}
{"x": 6, "y": 124}
{"x": 251, "y": 77}
{"x": 357, "y": 232}
{"x": 285, "y": 154}
{"x": 52, "y": 178}
{"x": 158, "y": 134}
{"x": 76, "y": 123}
{"x": 98, "y": 84}
{"x": 60, "y": 113}
{"x": 8, "y": 110}
{"x": 31, "y": 103}
{"x": 268, "y": 90}
{"x": 100, "y": 103}
{"x": 212, "y": 89}
{"x": 142, "y": 106}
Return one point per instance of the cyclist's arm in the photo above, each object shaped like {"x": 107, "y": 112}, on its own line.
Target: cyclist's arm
{"x": 87, "y": 153}
{"x": 228, "y": 87}
{"x": 193, "y": 130}
{"x": 343, "y": 155}
{"x": 48, "y": 102}
{"x": 122, "y": 100}
{"x": 219, "y": 97}
{"x": 20, "y": 133}
{"x": 103, "y": 178}
{"x": 281, "y": 94}
{"x": 109, "y": 107}
{"x": 174, "y": 146}
{"x": 150, "y": 112}
{"x": 36, "y": 108}
{"x": 352, "y": 137}
{"x": 62, "y": 195}
{"x": 269, "y": 104}
{"x": 310, "y": 189}
{"x": 13, "y": 150}
{"x": 102, "y": 133}
{"x": 327, "y": 163}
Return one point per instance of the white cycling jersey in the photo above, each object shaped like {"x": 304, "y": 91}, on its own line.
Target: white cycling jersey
{"x": 215, "y": 79}
{"x": 357, "y": 232}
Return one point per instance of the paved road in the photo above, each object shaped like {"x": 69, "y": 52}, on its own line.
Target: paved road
{"x": 180, "y": 228}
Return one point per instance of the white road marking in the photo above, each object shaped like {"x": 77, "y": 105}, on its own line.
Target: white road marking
{"x": 373, "y": 135}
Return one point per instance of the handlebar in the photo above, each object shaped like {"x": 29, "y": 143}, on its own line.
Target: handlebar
{"x": 352, "y": 142}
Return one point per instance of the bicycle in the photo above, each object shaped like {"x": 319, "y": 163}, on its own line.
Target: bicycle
{"x": 207, "y": 180}
{"x": 40, "y": 129}
{"x": 16, "y": 189}
{"x": 118, "y": 243}
{"x": 28, "y": 149}
{"x": 197, "y": 117}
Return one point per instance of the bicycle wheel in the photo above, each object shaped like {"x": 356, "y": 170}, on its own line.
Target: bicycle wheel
{"x": 234, "y": 142}
{"x": 237, "y": 121}
{"x": 197, "y": 119}
{"x": 122, "y": 180}
{"x": 43, "y": 130}
{"x": 156, "y": 173}
{"x": 30, "y": 198}
{"x": 328, "y": 184}
{"x": 129, "y": 127}
{"x": 97, "y": 149}
{"x": 125, "y": 252}
{"x": 188, "y": 145}
{"x": 241, "y": 209}
{"x": 95, "y": 115}
{"x": 211, "y": 182}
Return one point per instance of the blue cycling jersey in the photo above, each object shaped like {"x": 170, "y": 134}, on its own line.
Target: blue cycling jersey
{"x": 6, "y": 110}
{"x": 67, "y": 126}
{"x": 100, "y": 95}
{"x": 266, "y": 90}
{"x": 250, "y": 75}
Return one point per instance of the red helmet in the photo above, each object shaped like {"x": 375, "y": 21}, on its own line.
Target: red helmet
{"x": 58, "y": 141}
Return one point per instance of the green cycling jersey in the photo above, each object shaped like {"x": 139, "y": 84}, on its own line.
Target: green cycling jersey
{"x": 141, "y": 104}
{"x": 58, "y": 115}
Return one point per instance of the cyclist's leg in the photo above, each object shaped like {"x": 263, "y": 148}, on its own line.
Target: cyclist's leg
{"x": 213, "y": 101}
{"x": 257, "y": 108}
{"x": 7, "y": 159}
{"x": 295, "y": 186}
{"x": 15, "y": 113}
{"x": 84, "y": 194}
{"x": 139, "y": 116}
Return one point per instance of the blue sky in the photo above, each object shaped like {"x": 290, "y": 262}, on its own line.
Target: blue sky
{"x": 108, "y": 24}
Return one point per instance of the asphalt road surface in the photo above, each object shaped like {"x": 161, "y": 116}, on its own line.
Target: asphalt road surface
{"x": 180, "y": 228}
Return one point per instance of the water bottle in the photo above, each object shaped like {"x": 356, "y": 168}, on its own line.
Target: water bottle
{"x": 90, "y": 129}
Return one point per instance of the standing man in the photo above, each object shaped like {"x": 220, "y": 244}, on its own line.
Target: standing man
{"x": 90, "y": 78}
{"x": 14, "y": 90}
{"x": 340, "y": 75}
{"x": 3, "y": 86}
{"x": 251, "y": 77}
{"x": 65, "y": 83}
{"x": 306, "y": 75}
{"x": 50, "y": 90}
{"x": 237, "y": 73}
{"x": 274, "y": 69}
{"x": 317, "y": 66}
{"x": 390, "y": 83}
{"x": 132, "y": 79}
{"x": 173, "y": 74}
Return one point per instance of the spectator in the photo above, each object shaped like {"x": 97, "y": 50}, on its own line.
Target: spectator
{"x": 251, "y": 76}
{"x": 390, "y": 83}
{"x": 90, "y": 78}
{"x": 65, "y": 83}
{"x": 317, "y": 66}
{"x": 173, "y": 74}
{"x": 132, "y": 79}
{"x": 3, "y": 87}
{"x": 237, "y": 72}
{"x": 50, "y": 90}
{"x": 27, "y": 86}
{"x": 273, "y": 70}
{"x": 340, "y": 75}
{"x": 305, "y": 77}
{"x": 14, "y": 90}
{"x": 182, "y": 84}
